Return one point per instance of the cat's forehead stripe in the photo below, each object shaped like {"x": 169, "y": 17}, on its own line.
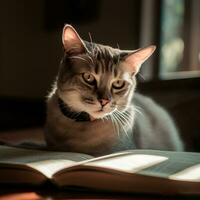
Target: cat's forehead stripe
{"x": 103, "y": 66}
{"x": 97, "y": 68}
{"x": 106, "y": 61}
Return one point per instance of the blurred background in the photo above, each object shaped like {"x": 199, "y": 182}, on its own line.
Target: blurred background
{"x": 30, "y": 51}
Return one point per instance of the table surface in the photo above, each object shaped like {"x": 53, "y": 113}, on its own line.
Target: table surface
{"x": 46, "y": 193}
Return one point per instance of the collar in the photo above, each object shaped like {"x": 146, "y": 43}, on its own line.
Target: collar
{"x": 67, "y": 112}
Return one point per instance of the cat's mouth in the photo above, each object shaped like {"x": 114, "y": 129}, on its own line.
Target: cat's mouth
{"x": 99, "y": 114}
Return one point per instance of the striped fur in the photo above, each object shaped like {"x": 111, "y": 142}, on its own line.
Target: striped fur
{"x": 100, "y": 81}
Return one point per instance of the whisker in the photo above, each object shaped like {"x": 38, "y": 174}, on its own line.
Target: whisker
{"x": 117, "y": 126}
{"x": 78, "y": 57}
{"x": 91, "y": 41}
{"x": 121, "y": 123}
{"x": 128, "y": 115}
{"x": 137, "y": 109}
{"x": 114, "y": 125}
{"x": 133, "y": 109}
{"x": 91, "y": 60}
{"x": 118, "y": 46}
{"x": 126, "y": 120}
{"x": 141, "y": 76}
{"x": 118, "y": 57}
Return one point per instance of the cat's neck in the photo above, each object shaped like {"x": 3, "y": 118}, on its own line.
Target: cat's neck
{"x": 69, "y": 113}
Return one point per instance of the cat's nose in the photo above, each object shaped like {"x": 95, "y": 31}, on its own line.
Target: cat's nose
{"x": 103, "y": 102}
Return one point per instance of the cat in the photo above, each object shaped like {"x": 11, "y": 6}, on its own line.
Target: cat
{"x": 93, "y": 107}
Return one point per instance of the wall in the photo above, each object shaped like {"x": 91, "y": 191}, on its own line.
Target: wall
{"x": 29, "y": 54}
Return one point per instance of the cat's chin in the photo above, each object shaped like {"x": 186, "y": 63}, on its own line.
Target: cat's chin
{"x": 98, "y": 115}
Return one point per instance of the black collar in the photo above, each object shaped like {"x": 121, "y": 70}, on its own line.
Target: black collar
{"x": 67, "y": 112}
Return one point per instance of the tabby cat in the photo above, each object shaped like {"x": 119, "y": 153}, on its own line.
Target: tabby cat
{"x": 93, "y": 107}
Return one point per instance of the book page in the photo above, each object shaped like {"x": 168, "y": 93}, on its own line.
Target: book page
{"x": 183, "y": 166}
{"x": 129, "y": 163}
{"x": 165, "y": 164}
{"x": 50, "y": 167}
{"x": 47, "y": 162}
{"x": 188, "y": 174}
{"x": 149, "y": 171}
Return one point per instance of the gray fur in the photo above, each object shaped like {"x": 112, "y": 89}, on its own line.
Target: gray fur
{"x": 154, "y": 128}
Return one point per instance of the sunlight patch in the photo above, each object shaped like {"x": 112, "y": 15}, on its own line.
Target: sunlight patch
{"x": 188, "y": 174}
{"x": 129, "y": 163}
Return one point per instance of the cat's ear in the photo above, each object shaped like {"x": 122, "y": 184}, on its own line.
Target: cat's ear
{"x": 72, "y": 42}
{"x": 134, "y": 60}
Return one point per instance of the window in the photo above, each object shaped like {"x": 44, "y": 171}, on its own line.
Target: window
{"x": 179, "y": 38}
{"x": 174, "y": 26}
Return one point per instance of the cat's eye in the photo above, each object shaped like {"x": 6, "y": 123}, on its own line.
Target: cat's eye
{"x": 88, "y": 78}
{"x": 118, "y": 84}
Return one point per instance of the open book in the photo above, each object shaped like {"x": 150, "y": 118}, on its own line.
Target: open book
{"x": 141, "y": 171}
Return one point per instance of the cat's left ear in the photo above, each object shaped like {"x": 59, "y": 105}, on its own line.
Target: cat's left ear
{"x": 72, "y": 42}
{"x": 134, "y": 60}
